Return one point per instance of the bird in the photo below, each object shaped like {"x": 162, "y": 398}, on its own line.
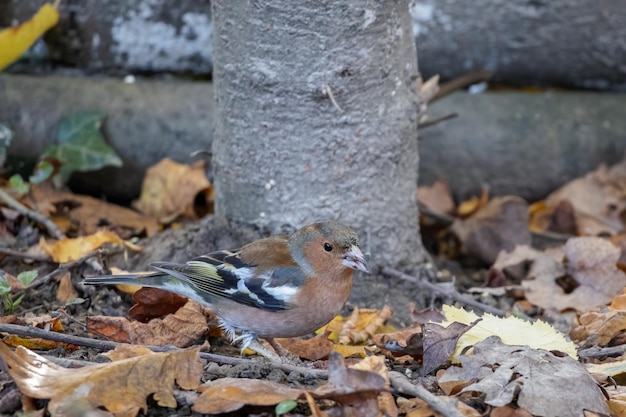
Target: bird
{"x": 280, "y": 286}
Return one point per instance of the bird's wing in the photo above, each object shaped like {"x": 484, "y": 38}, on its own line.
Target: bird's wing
{"x": 261, "y": 275}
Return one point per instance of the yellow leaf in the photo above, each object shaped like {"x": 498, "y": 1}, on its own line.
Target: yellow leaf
{"x": 511, "y": 330}
{"x": 14, "y": 41}
{"x": 68, "y": 249}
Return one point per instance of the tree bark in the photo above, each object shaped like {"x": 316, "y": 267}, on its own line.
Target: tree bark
{"x": 316, "y": 118}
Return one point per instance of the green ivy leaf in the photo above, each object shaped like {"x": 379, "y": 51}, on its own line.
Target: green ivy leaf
{"x": 81, "y": 145}
{"x": 43, "y": 171}
{"x": 26, "y": 277}
{"x": 285, "y": 407}
{"x": 17, "y": 184}
{"x": 4, "y": 286}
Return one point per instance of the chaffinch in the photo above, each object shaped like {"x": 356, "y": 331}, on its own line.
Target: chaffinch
{"x": 281, "y": 286}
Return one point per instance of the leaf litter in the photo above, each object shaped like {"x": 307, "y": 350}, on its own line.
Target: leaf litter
{"x": 507, "y": 365}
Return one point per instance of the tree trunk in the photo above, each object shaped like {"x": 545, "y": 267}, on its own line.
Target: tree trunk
{"x": 316, "y": 118}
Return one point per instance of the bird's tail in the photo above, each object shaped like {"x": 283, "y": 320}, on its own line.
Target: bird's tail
{"x": 155, "y": 280}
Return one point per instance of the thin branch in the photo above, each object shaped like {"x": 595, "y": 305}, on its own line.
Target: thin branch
{"x": 25, "y": 255}
{"x": 431, "y": 122}
{"x": 329, "y": 92}
{"x": 64, "y": 267}
{"x": 446, "y": 407}
{"x": 104, "y": 345}
{"x": 32, "y": 214}
{"x": 461, "y": 82}
{"x": 597, "y": 352}
{"x": 447, "y": 291}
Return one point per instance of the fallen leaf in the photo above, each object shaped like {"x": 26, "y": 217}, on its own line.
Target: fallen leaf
{"x": 407, "y": 341}
{"x": 46, "y": 322}
{"x": 151, "y": 303}
{"x": 598, "y": 200}
{"x": 121, "y": 386}
{"x": 440, "y": 343}
{"x": 587, "y": 278}
{"x": 313, "y": 349}
{"x": 171, "y": 189}
{"x": 181, "y": 329}
{"x": 376, "y": 364}
{"x": 124, "y": 351}
{"x": 355, "y": 331}
{"x": 226, "y": 395}
{"x": 353, "y": 387}
{"x": 66, "y": 291}
{"x": 511, "y": 331}
{"x": 90, "y": 214}
{"x": 501, "y": 224}
{"x": 470, "y": 207}
{"x": 437, "y": 197}
{"x": 599, "y": 328}
{"x": 71, "y": 249}
{"x": 537, "y": 380}
{"x": 36, "y": 343}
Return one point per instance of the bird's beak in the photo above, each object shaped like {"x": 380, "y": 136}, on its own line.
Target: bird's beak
{"x": 354, "y": 259}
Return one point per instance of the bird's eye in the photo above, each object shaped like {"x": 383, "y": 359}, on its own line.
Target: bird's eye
{"x": 328, "y": 247}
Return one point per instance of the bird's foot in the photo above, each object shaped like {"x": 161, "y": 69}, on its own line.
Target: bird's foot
{"x": 279, "y": 354}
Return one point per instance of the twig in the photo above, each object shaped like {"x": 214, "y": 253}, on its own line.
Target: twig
{"x": 24, "y": 255}
{"x": 329, "y": 92}
{"x": 432, "y": 122}
{"x": 450, "y": 292}
{"x": 32, "y": 214}
{"x": 402, "y": 385}
{"x": 108, "y": 345}
{"x": 461, "y": 82}
{"x": 596, "y": 352}
{"x": 64, "y": 267}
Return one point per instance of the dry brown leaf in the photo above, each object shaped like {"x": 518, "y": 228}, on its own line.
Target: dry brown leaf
{"x": 471, "y": 206}
{"x": 90, "y": 213}
{"x": 230, "y": 394}
{"x": 437, "y": 197}
{"x": 617, "y": 399}
{"x": 181, "y": 329}
{"x": 353, "y": 387}
{"x": 359, "y": 329}
{"x": 14, "y": 283}
{"x": 440, "y": 343}
{"x": 66, "y": 291}
{"x": 124, "y": 351}
{"x": 507, "y": 411}
{"x": 619, "y": 302}
{"x": 407, "y": 341}
{"x": 316, "y": 348}
{"x": 415, "y": 407}
{"x": 70, "y": 249}
{"x": 598, "y": 200}
{"x": 587, "y": 278}
{"x": 499, "y": 225}
{"x": 46, "y": 322}
{"x": 121, "y": 387}
{"x": 376, "y": 364}
{"x": 171, "y": 189}
{"x": 535, "y": 379}
{"x": 151, "y": 303}
{"x": 598, "y": 329}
